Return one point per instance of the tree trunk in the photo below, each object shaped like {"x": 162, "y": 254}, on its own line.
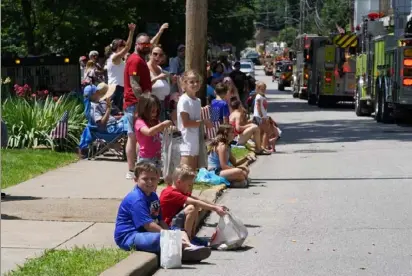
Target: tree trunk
{"x": 28, "y": 26}
{"x": 196, "y": 40}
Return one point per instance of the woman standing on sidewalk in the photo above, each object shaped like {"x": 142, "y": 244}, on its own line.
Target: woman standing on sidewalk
{"x": 160, "y": 80}
{"x": 116, "y": 51}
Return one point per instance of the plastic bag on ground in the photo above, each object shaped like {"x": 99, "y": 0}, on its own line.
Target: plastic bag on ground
{"x": 209, "y": 177}
{"x": 230, "y": 233}
{"x": 170, "y": 249}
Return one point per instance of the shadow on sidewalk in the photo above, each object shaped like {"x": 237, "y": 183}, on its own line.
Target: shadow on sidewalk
{"x": 7, "y": 217}
{"x": 19, "y": 198}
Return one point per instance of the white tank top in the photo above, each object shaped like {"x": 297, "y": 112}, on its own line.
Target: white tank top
{"x": 161, "y": 88}
{"x": 115, "y": 72}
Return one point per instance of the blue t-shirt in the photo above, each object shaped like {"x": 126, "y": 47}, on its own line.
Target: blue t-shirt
{"x": 136, "y": 210}
{"x": 210, "y": 92}
{"x": 218, "y": 110}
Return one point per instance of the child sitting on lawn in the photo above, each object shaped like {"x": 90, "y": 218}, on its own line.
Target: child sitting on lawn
{"x": 220, "y": 158}
{"x": 147, "y": 128}
{"x": 139, "y": 220}
{"x": 219, "y": 109}
{"x": 180, "y": 209}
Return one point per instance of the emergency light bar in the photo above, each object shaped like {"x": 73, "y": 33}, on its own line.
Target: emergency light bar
{"x": 407, "y": 82}
{"x": 407, "y": 62}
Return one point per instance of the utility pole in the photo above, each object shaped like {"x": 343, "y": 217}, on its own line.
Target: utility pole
{"x": 196, "y": 40}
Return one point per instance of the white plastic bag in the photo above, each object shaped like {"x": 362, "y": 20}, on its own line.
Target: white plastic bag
{"x": 171, "y": 248}
{"x": 230, "y": 233}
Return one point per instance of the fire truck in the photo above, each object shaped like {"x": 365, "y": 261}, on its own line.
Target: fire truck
{"x": 301, "y": 66}
{"x": 331, "y": 69}
{"x": 384, "y": 71}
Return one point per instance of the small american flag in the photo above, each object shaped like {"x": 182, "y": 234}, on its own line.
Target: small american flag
{"x": 61, "y": 129}
{"x": 340, "y": 29}
{"x": 205, "y": 115}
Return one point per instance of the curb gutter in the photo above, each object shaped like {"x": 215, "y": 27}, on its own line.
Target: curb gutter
{"x": 144, "y": 264}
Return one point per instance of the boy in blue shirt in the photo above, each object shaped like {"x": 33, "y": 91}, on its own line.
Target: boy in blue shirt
{"x": 219, "y": 109}
{"x": 139, "y": 220}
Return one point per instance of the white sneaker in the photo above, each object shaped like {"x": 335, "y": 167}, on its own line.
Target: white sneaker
{"x": 129, "y": 175}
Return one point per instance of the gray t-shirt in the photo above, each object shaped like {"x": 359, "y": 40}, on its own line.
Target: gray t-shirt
{"x": 97, "y": 112}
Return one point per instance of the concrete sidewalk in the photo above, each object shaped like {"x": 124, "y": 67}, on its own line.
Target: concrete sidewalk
{"x": 71, "y": 206}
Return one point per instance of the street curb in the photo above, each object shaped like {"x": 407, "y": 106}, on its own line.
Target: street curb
{"x": 144, "y": 264}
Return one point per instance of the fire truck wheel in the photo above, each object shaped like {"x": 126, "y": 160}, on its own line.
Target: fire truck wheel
{"x": 311, "y": 99}
{"x": 385, "y": 111}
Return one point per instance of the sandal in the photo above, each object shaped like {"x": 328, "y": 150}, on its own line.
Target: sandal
{"x": 262, "y": 152}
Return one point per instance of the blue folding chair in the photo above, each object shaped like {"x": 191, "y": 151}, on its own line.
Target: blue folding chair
{"x": 98, "y": 142}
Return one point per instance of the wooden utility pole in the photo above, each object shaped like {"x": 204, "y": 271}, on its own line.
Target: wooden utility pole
{"x": 196, "y": 40}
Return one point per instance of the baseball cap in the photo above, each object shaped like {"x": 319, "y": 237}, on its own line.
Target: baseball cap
{"x": 93, "y": 53}
{"x": 181, "y": 46}
{"x": 91, "y": 89}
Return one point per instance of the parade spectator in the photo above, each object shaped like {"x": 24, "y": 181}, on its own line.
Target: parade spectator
{"x": 260, "y": 113}
{"x": 148, "y": 128}
{"x": 136, "y": 82}
{"x": 160, "y": 79}
{"x": 219, "y": 109}
{"x": 232, "y": 90}
{"x": 217, "y": 75}
{"x": 98, "y": 69}
{"x": 240, "y": 81}
{"x": 177, "y": 65}
{"x": 156, "y": 38}
{"x": 243, "y": 129}
{"x": 82, "y": 63}
{"x": 220, "y": 159}
{"x": 188, "y": 119}
{"x": 116, "y": 51}
{"x": 180, "y": 209}
{"x": 139, "y": 220}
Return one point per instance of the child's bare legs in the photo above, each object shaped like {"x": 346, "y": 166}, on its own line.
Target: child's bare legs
{"x": 191, "y": 214}
{"x": 252, "y": 130}
{"x": 265, "y": 128}
{"x": 274, "y": 137}
{"x": 234, "y": 174}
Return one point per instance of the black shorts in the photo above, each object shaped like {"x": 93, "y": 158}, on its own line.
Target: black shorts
{"x": 257, "y": 120}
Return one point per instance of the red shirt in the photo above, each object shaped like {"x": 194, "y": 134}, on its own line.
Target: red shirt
{"x": 171, "y": 203}
{"x": 135, "y": 66}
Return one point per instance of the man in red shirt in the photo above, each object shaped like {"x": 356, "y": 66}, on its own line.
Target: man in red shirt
{"x": 179, "y": 208}
{"x": 136, "y": 82}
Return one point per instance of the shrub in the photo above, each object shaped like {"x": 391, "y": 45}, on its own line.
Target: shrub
{"x": 31, "y": 121}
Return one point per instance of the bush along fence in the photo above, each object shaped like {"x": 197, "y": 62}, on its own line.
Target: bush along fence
{"x": 32, "y": 117}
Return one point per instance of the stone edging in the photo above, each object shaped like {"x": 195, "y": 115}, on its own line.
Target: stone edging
{"x": 142, "y": 263}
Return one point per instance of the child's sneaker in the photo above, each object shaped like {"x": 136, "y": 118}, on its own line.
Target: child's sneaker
{"x": 195, "y": 253}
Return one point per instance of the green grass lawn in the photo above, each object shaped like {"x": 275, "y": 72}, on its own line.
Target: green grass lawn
{"x": 79, "y": 262}
{"x": 239, "y": 153}
{"x": 18, "y": 165}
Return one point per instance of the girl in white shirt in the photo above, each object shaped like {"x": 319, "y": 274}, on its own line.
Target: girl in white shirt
{"x": 160, "y": 79}
{"x": 260, "y": 113}
{"x": 188, "y": 119}
{"x": 116, "y": 51}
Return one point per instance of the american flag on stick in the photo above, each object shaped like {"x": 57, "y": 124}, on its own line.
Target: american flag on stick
{"x": 340, "y": 29}
{"x": 61, "y": 129}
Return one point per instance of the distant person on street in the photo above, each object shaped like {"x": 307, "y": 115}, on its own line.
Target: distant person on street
{"x": 136, "y": 82}
{"x": 82, "y": 63}
{"x": 116, "y": 51}
{"x": 260, "y": 113}
{"x": 99, "y": 71}
{"x": 241, "y": 82}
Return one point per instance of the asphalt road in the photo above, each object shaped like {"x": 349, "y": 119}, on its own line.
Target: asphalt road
{"x": 335, "y": 199}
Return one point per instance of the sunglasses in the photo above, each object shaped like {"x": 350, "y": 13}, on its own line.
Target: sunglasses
{"x": 145, "y": 44}
{"x": 157, "y": 54}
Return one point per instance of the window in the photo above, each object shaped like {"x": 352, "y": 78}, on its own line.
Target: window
{"x": 245, "y": 66}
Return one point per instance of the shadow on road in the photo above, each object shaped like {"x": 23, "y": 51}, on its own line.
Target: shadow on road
{"x": 302, "y": 106}
{"x": 334, "y": 131}
{"x": 19, "y": 198}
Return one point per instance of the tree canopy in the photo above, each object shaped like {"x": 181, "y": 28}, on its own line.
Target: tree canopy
{"x": 36, "y": 27}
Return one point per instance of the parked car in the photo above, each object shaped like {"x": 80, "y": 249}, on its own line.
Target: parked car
{"x": 254, "y": 57}
{"x": 247, "y": 68}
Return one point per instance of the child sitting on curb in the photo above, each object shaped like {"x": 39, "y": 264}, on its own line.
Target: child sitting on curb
{"x": 220, "y": 156}
{"x": 139, "y": 220}
{"x": 179, "y": 208}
